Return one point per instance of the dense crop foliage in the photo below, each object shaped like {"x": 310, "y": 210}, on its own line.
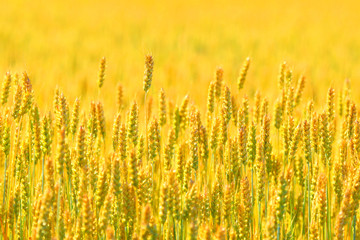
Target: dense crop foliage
{"x": 236, "y": 168}
{"x": 176, "y": 133}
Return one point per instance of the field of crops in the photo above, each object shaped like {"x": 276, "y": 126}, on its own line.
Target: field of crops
{"x": 179, "y": 120}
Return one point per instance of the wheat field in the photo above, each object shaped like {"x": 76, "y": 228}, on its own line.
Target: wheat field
{"x": 179, "y": 120}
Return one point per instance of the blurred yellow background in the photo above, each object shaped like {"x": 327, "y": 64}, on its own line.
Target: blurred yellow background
{"x": 61, "y": 43}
